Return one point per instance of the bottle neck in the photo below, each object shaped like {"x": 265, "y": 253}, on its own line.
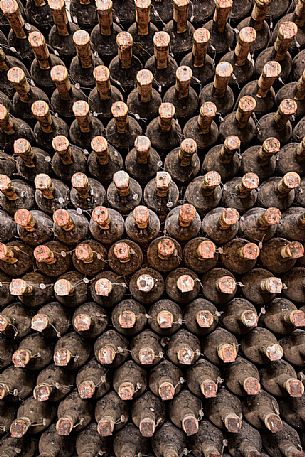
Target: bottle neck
{"x": 180, "y": 17}
{"x": 61, "y": 21}
{"x": 105, "y": 20}
{"x": 161, "y": 57}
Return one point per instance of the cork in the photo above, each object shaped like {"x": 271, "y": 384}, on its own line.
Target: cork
{"x": 206, "y": 116}
{"x": 226, "y": 285}
{"x": 44, "y": 184}
{"x": 201, "y": 38}
{"x": 204, "y": 318}
{"x": 119, "y": 111}
{"x": 141, "y": 217}
{"x": 7, "y": 254}
{"x": 99, "y": 146}
{"x": 274, "y": 352}
{"x": 190, "y": 424}
{"x": 64, "y": 426}
{"x": 246, "y": 38}
{"x": 223, "y": 74}
{"x": 124, "y": 42}
{"x": 24, "y": 218}
{"x": 146, "y": 356}
{"x": 21, "y": 358}
{"x": 251, "y": 386}
{"x": 43, "y": 254}
{"x": 286, "y": 34}
{"x": 297, "y": 318}
{"x": 249, "y": 251}
{"x": 105, "y": 19}
{"x": 208, "y": 388}
{"x": 147, "y": 426}
{"x": 188, "y": 148}
{"x": 259, "y": 12}
{"x": 165, "y": 319}
{"x": 233, "y": 423}
{"x": 22, "y": 148}
{"x": 162, "y": 180}
{"x": 81, "y": 112}
{"x": 84, "y": 253}
{"x": 60, "y": 77}
{"x": 271, "y": 216}
{"x": 63, "y": 288}
{"x": 145, "y": 283}
{"x": 63, "y": 220}
{"x": 287, "y": 108}
{"x": 289, "y": 181}
{"x": 249, "y": 318}
{"x": 121, "y": 181}
{"x": 6, "y": 123}
{"x": 166, "y": 115}
{"x": 227, "y": 352}
{"x": 185, "y": 356}
{"x": 19, "y": 427}
{"x": 270, "y": 147}
{"x": 7, "y": 188}
{"x": 41, "y": 111}
{"x": 185, "y": 284}
{"x": 187, "y": 214}
{"x": 183, "y": 80}
{"x": 38, "y": 44}
{"x": 105, "y": 426}
{"x": 228, "y": 218}
{"x": 122, "y": 252}
{"x": 60, "y": 18}
{"x": 11, "y": 11}
{"x": 231, "y": 145}
{"x": 106, "y": 355}
{"x": 206, "y": 250}
{"x": 4, "y": 323}
{"x": 161, "y": 42}
{"x": 299, "y": 13}
{"x": 80, "y": 182}
{"x": 249, "y": 182}
{"x": 144, "y": 80}
{"x": 300, "y": 88}
{"x": 62, "y": 357}
{"x": 271, "y": 72}
{"x": 100, "y": 215}
{"x": 166, "y": 248}
{"x": 86, "y": 390}
{"x": 292, "y": 250}
{"x": 81, "y": 40}
{"x": 272, "y": 285}
{"x": 101, "y": 75}
{"x": 210, "y": 181}
{"x": 127, "y": 319}
{"x": 294, "y": 387}
{"x": 221, "y": 14}
{"x": 143, "y": 16}
{"x": 143, "y": 146}
{"x": 166, "y": 391}
{"x": 82, "y": 322}
{"x": 273, "y": 422}
{"x": 180, "y": 14}
{"x": 246, "y": 106}
{"x": 126, "y": 391}
{"x": 103, "y": 287}
{"x": 17, "y": 78}
{"x": 39, "y": 322}
{"x": 4, "y": 391}
{"x": 42, "y": 392}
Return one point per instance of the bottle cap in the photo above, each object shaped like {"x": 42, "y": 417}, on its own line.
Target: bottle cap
{"x": 201, "y": 38}
{"x": 39, "y": 322}
{"x": 233, "y": 423}
{"x": 86, "y": 390}
{"x": 208, "y": 388}
{"x": 221, "y": 14}
{"x": 7, "y": 254}
{"x": 104, "y": 11}
{"x": 231, "y": 144}
{"x": 80, "y": 182}
{"x": 59, "y": 13}
{"x": 288, "y": 107}
{"x": 81, "y": 40}
{"x": 145, "y": 283}
{"x": 292, "y": 250}
{"x": 141, "y": 217}
{"x": 100, "y": 146}
{"x": 63, "y": 220}
{"x": 17, "y": 78}
{"x": 19, "y": 287}
{"x": 122, "y": 251}
{"x": 297, "y": 318}
{"x": 21, "y": 358}
{"x": 161, "y": 40}
{"x": 166, "y": 115}
{"x": 228, "y": 218}
{"x": 100, "y": 215}
{"x": 251, "y": 386}
{"x": 246, "y": 38}
{"x": 185, "y": 355}
{"x": 286, "y": 33}
{"x": 63, "y": 287}
{"x": 81, "y": 111}
{"x": 124, "y": 42}
{"x": 249, "y": 182}
{"x": 144, "y": 83}
{"x": 64, "y": 426}
{"x": 166, "y": 248}
{"x": 246, "y": 106}
{"x": 227, "y": 352}
{"x": 23, "y": 149}
{"x": 84, "y": 253}
{"x": 103, "y": 287}
{"x": 226, "y": 285}
{"x": 119, "y": 111}
{"x": 165, "y": 319}
{"x": 43, "y": 254}
{"x": 142, "y": 145}
{"x": 187, "y": 214}
{"x": 206, "y": 115}
{"x": 294, "y": 387}
{"x": 162, "y": 180}
{"x": 105, "y": 426}
{"x": 271, "y": 216}
{"x": 106, "y": 355}
{"x": 62, "y": 357}
{"x": 204, "y": 318}
{"x": 206, "y": 250}
{"x": 270, "y": 147}
{"x": 274, "y": 352}
{"x": 273, "y": 422}
{"x": 127, "y": 319}
{"x": 102, "y": 78}
{"x": 43, "y": 183}
{"x": 249, "y": 318}
{"x": 185, "y": 284}
{"x": 271, "y": 71}
{"x": 190, "y": 424}
{"x": 290, "y": 181}
{"x": 42, "y": 392}
{"x": 183, "y": 80}
{"x": 60, "y": 76}
{"x": 249, "y": 251}
{"x": 11, "y": 11}
{"x": 121, "y": 181}
{"x": 19, "y": 427}
{"x": 146, "y": 356}
{"x": 147, "y": 427}
{"x": 24, "y": 218}
{"x": 211, "y": 180}
{"x": 166, "y": 391}
{"x": 126, "y": 391}
{"x": 82, "y": 322}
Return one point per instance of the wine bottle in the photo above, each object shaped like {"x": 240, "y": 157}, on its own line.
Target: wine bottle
{"x": 182, "y": 285}
{"x": 123, "y": 129}
{"x": 53, "y": 445}
{"x": 260, "y": 346}
{"x": 148, "y": 413}
{"x": 164, "y": 131}
{"x": 239, "y": 256}
{"x": 50, "y": 194}
{"x": 295, "y": 14}
{"x": 293, "y": 347}
{"x": 104, "y": 160}
{"x": 89, "y": 320}
{"x": 262, "y": 411}
{"x": 129, "y": 441}
{"x": 71, "y": 351}
{"x": 51, "y": 320}
{"x": 161, "y": 194}
{"x": 185, "y": 412}
{"x": 125, "y": 257}
{"x": 168, "y": 441}
{"x": 200, "y": 255}
{"x": 183, "y": 163}
{"x": 142, "y": 225}
{"x": 280, "y": 379}
{"x": 183, "y": 348}
{"x": 241, "y": 193}
{"x": 165, "y": 380}
{"x": 8, "y": 165}
{"x": 202, "y": 128}
{"x": 73, "y": 413}
{"x": 111, "y": 414}
{"x": 240, "y": 122}
{"x": 279, "y": 192}
{"x": 12, "y": 128}
{"x": 7, "y": 62}
{"x": 33, "y": 227}
{"x": 294, "y": 290}
{"x": 142, "y": 31}
{"x": 286, "y": 442}
{"x": 146, "y": 348}
{"x": 65, "y": 93}
{"x": 146, "y": 285}
{"x": 293, "y": 411}
{"x": 53, "y": 383}
{"x": 15, "y": 321}
{"x": 225, "y": 411}
{"x": 85, "y": 126}
{"x": 203, "y": 379}
{"x": 103, "y": 35}
{"x": 71, "y": 289}
{"x": 165, "y": 317}
{"x": 84, "y": 14}
{"x": 219, "y": 285}
{"x": 124, "y": 193}
{"x": 183, "y": 223}
{"x": 33, "y": 290}
{"x": 291, "y": 158}
{"x": 47, "y": 126}
{"x": 204, "y": 192}
{"x": 124, "y": 67}
{"x": 224, "y": 159}
{"x": 261, "y": 160}
{"x": 89, "y": 257}
{"x": 280, "y": 255}
{"x": 86, "y": 193}
{"x": 92, "y": 381}
{"x": 129, "y": 381}
{"x": 208, "y": 440}
{"x": 106, "y": 225}
{"x": 129, "y": 317}
{"x": 52, "y": 258}
{"x": 125, "y": 12}
{"x": 248, "y": 441}
{"x": 30, "y": 161}
{"x": 16, "y": 258}
{"x": 260, "y": 224}
{"x": 240, "y": 316}
{"x": 200, "y": 317}
{"x": 220, "y": 347}
{"x": 70, "y": 226}
{"x": 89, "y": 443}
{"x": 278, "y": 125}
{"x": 180, "y": 29}
{"x": 242, "y": 378}
{"x": 33, "y": 353}
{"x": 15, "y": 384}
{"x": 261, "y": 286}
{"x": 221, "y": 224}
{"x": 15, "y": 194}
{"x": 282, "y": 316}
{"x": 222, "y": 34}
{"x": 110, "y": 349}
{"x": 83, "y": 64}
{"x": 34, "y": 414}
{"x": 164, "y": 254}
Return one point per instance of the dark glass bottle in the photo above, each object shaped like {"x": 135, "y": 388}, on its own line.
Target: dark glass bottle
{"x": 260, "y": 346}
{"x": 282, "y": 317}
{"x": 262, "y": 412}
{"x": 16, "y": 258}
{"x": 70, "y": 226}
{"x": 164, "y": 254}
{"x": 291, "y": 158}
{"x": 180, "y": 29}
{"x": 280, "y": 255}
{"x": 52, "y": 258}
{"x": 202, "y": 128}
{"x": 225, "y": 411}
{"x": 125, "y": 257}
{"x": 30, "y": 161}
{"x": 183, "y": 223}
{"x": 241, "y": 193}
{"x": 50, "y": 194}
{"x": 277, "y": 125}
{"x": 259, "y": 224}
{"x": 142, "y": 225}
{"x": 125, "y": 12}
{"x": 225, "y": 159}
{"x": 86, "y": 193}
{"x": 111, "y": 414}
{"x": 204, "y": 192}
{"x": 12, "y": 128}
{"x": 85, "y": 126}
{"x": 257, "y": 20}
{"x": 242, "y": 378}
{"x": 260, "y": 286}
{"x": 47, "y": 126}
{"x": 104, "y": 160}
{"x": 7, "y": 62}
{"x": 219, "y": 285}
{"x": 148, "y": 413}
{"x": 183, "y": 163}
{"x": 261, "y": 160}
{"x": 146, "y": 285}
{"x": 144, "y": 101}
{"x": 185, "y": 412}
{"x": 68, "y": 160}
{"x": 221, "y": 224}
{"x": 279, "y": 192}
{"x": 200, "y": 317}
{"x": 92, "y": 380}
{"x": 200, "y": 255}
{"x": 73, "y": 413}
{"x": 222, "y": 34}
{"x": 51, "y": 320}
{"x": 111, "y": 349}
{"x": 208, "y": 441}
{"x": 239, "y": 317}
{"x": 291, "y": 226}
{"x": 164, "y": 131}
{"x": 106, "y": 225}
{"x": 89, "y": 257}
{"x": 142, "y": 31}
{"x": 33, "y": 227}
{"x": 15, "y": 194}
{"x": 142, "y": 162}
{"x": 165, "y": 317}
{"x": 220, "y": 347}
{"x": 89, "y": 320}
{"x": 124, "y": 193}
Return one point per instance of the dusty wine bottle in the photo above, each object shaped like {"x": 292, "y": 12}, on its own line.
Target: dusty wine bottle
{"x": 203, "y": 128}
{"x": 168, "y": 441}
{"x": 219, "y": 285}
{"x": 182, "y": 285}
{"x": 239, "y": 256}
{"x": 257, "y": 20}
{"x": 183, "y": 163}
{"x": 129, "y": 441}
{"x": 165, "y": 317}
{"x": 33, "y": 227}
{"x": 221, "y": 225}
{"x": 164, "y": 131}
{"x": 85, "y": 126}
{"x": 15, "y": 321}
{"x": 47, "y": 126}
{"x": 104, "y": 160}
{"x": 111, "y": 414}
{"x": 34, "y": 414}
{"x": 89, "y": 320}
{"x": 73, "y": 413}
{"x": 51, "y": 320}
{"x": 240, "y": 316}
{"x": 123, "y": 129}
{"x": 222, "y": 34}
{"x": 33, "y": 289}
{"x": 165, "y": 380}
{"x": 125, "y": 257}
{"x": 16, "y": 258}
{"x": 53, "y": 445}
{"x": 50, "y": 194}
{"x": 30, "y": 158}
{"x": 225, "y": 411}
{"x": 183, "y": 348}
{"x": 164, "y": 254}
{"x": 183, "y": 223}
{"x": 110, "y": 349}
{"x": 146, "y": 348}
{"x": 52, "y": 258}
{"x": 261, "y": 160}
{"x": 279, "y": 255}
{"x": 106, "y": 225}
{"x": 262, "y": 411}
{"x": 89, "y": 257}
{"x": 280, "y": 379}
{"x": 277, "y": 125}
{"x": 241, "y": 193}
{"x": 92, "y": 381}
{"x": 70, "y": 226}
{"x": 71, "y": 289}
{"x": 146, "y": 285}
{"x": 148, "y": 413}
{"x": 124, "y": 193}
{"x": 161, "y": 194}
{"x": 225, "y": 159}
{"x": 33, "y": 353}
{"x": 15, "y": 384}
{"x": 207, "y": 441}
{"x": 204, "y": 192}
{"x": 242, "y": 378}
{"x": 15, "y": 194}
{"x": 294, "y": 285}
{"x": 53, "y": 383}
{"x": 185, "y": 411}
{"x": 260, "y": 345}
{"x": 129, "y": 381}
{"x": 200, "y": 317}
{"x": 129, "y": 317}
{"x": 12, "y": 128}
{"x": 71, "y": 351}
{"x": 142, "y": 225}
{"x": 220, "y": 347}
